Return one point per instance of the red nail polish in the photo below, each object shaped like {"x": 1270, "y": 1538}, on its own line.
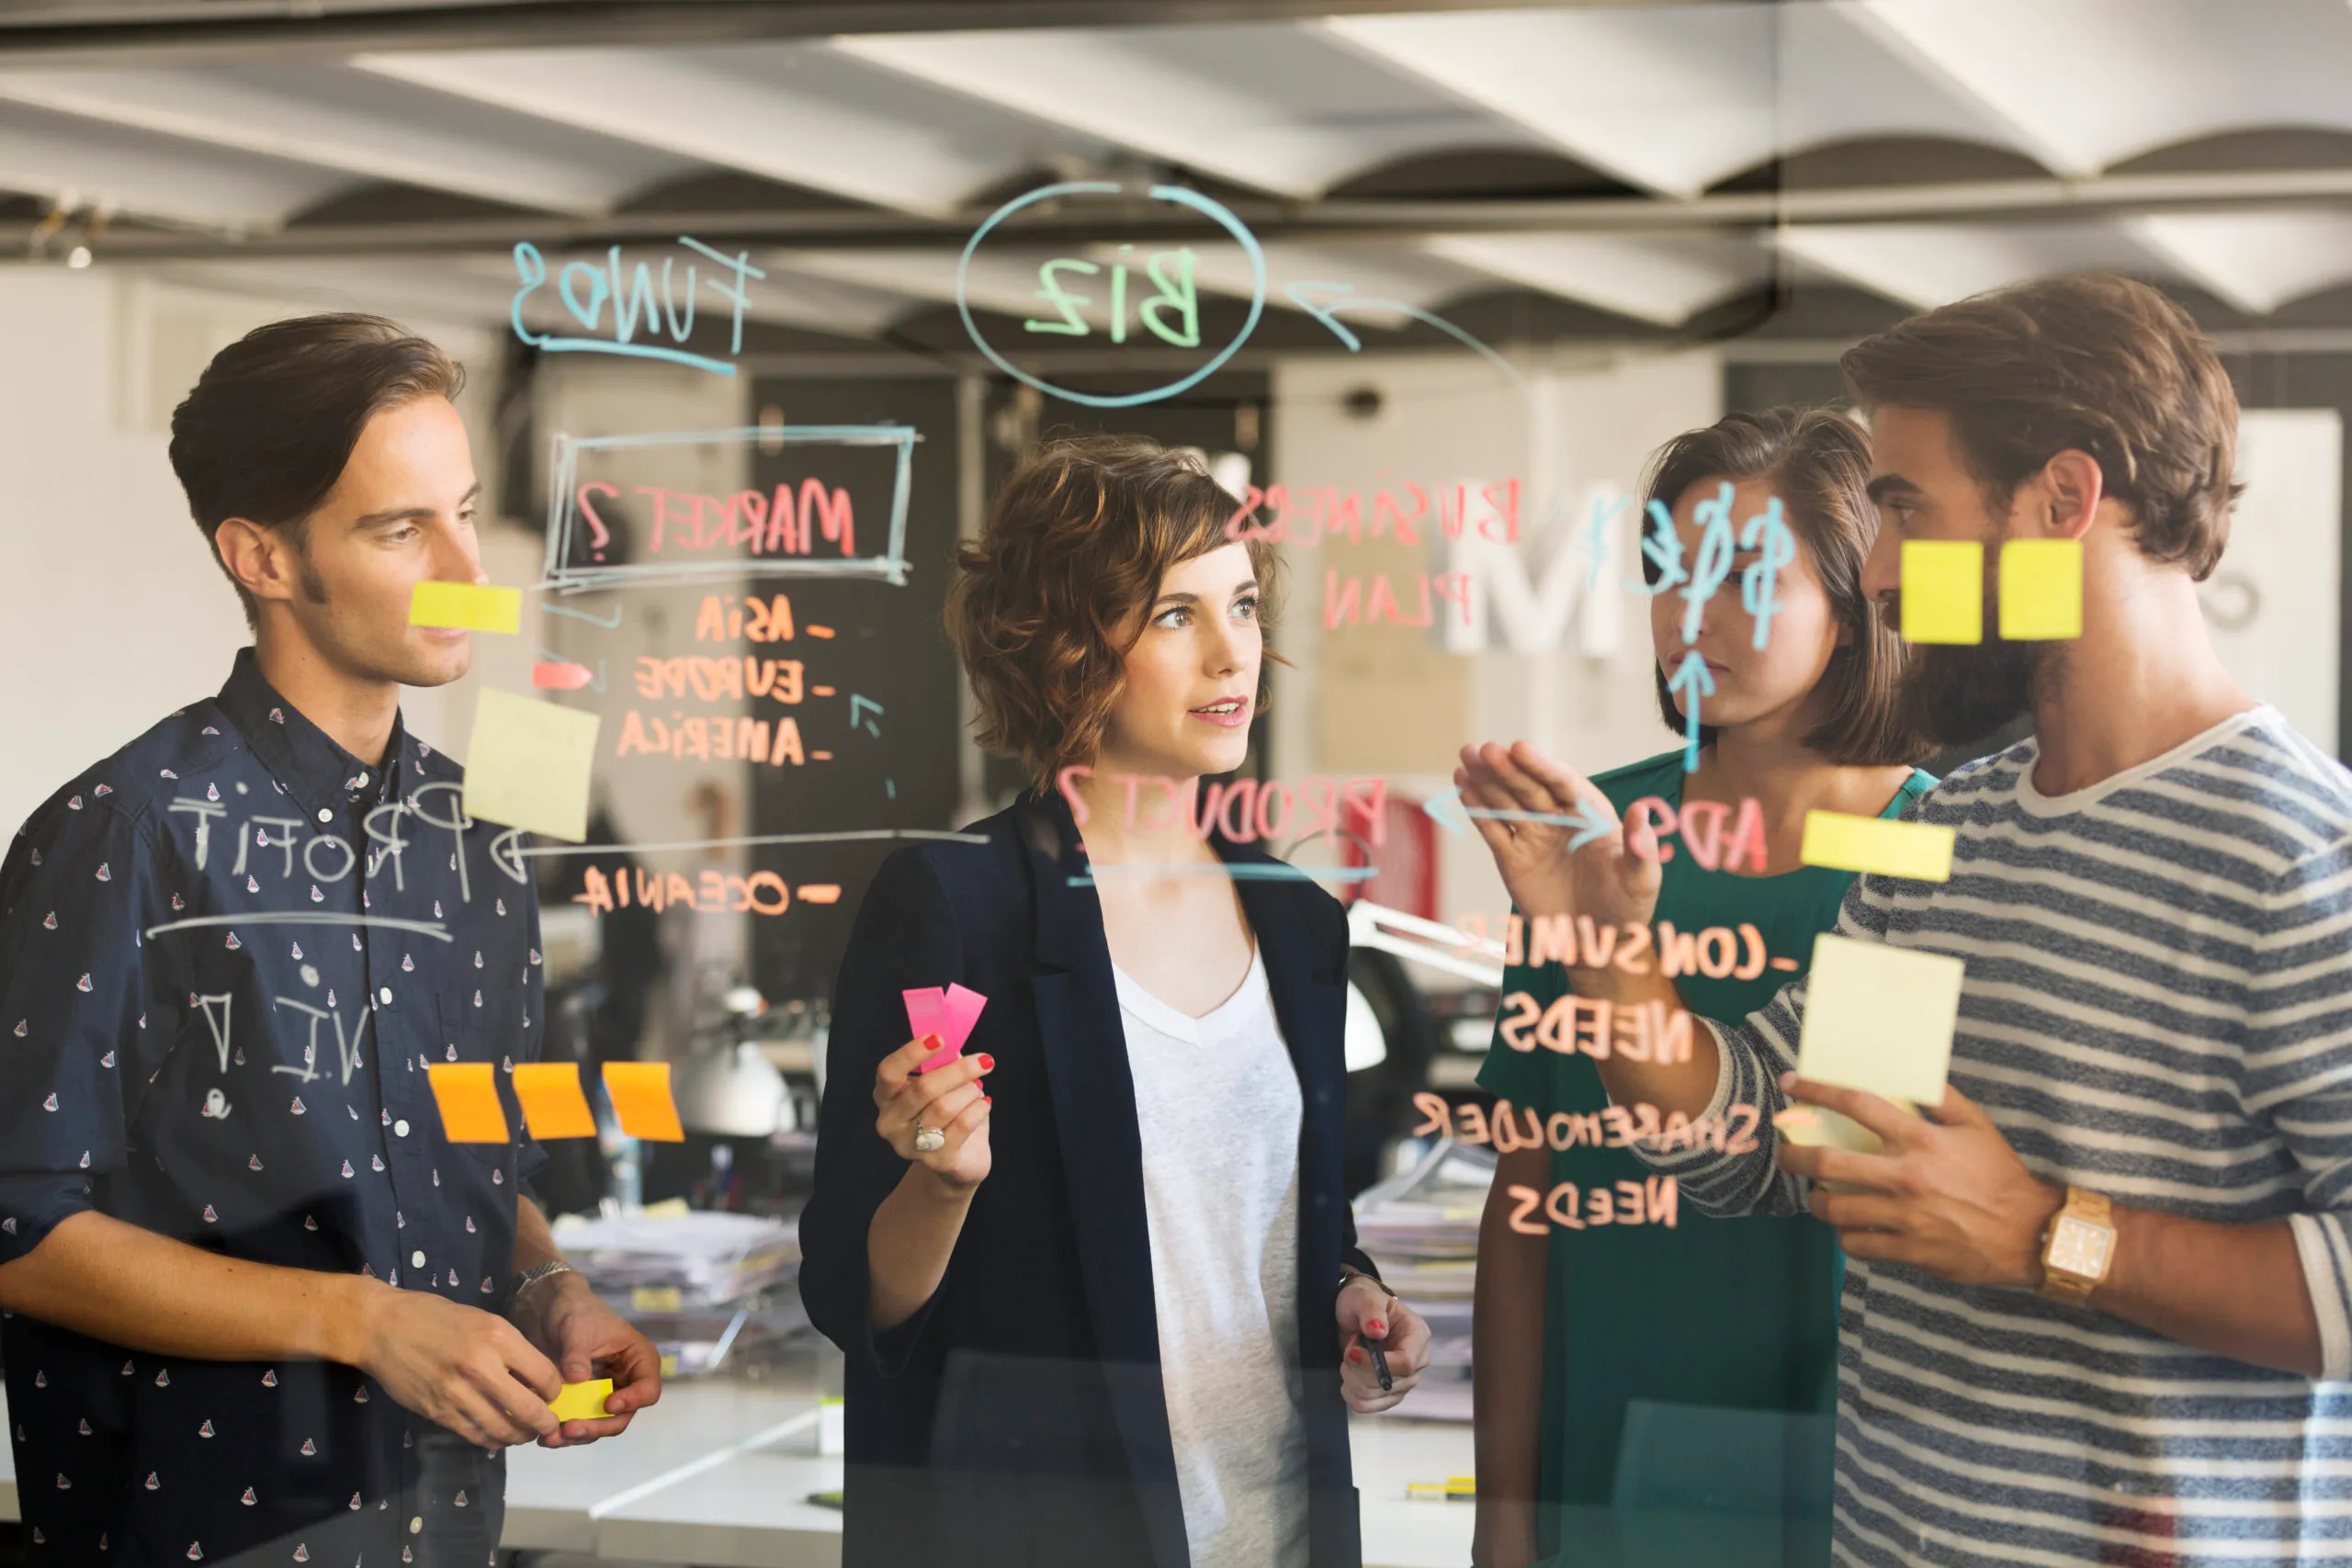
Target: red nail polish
{"x": 987, "y": 1100}
{"x": 1354, "y": 1354}
{"x": 1376, "y": 1328}
{"x": 988, "y": 1063}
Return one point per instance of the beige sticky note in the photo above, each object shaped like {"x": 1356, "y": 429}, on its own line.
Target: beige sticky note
{"x": 1810, "y": 1126}
{"x": 528, "y": 765}
{"x": 1943, "y": 591}
{"x": 553, "y": 1105}
{"x": 468, "y": 1096}
{"x": 1918, "y": 850}
{"x": 583, "y": 1401}
{"x": 2042, "y": 589}
{"x": 640, "y": 1095}
{"x": 1880, "y": 1019}
{"x": 474, "y": 606}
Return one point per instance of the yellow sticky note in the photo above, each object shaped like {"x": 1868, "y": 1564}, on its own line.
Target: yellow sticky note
{"x": 475, "y": 606}
{"x": 2042, "y": 589}
{"x": 640, "y": 1095}
{"x": 1918, "y": 850}
{"x": 1943, "y": 591}
{"x": 1880, "y": 1019}
{"x": 553, "y": 1105}
{"x": 468, "y": 1096}
{"x": 581, "y": 1401}
{"x": 528, "y": 765}
{"x": 1810, "y": 1126}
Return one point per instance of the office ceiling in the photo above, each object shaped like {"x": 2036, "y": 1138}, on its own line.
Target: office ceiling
{"x": 1645, "y": 163}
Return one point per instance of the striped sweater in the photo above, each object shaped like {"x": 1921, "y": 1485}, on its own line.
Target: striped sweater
{"x": 2158, "y": 1006}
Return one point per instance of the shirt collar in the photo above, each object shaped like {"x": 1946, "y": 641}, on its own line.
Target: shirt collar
{"x": 316, "y": 772}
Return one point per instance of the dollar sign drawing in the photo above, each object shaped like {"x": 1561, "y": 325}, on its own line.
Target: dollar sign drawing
{"x": 1713, "y": 516}
{"x": 1757, "y": 584}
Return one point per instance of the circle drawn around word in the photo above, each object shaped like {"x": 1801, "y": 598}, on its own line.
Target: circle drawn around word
{"x": 1175, "y": 195}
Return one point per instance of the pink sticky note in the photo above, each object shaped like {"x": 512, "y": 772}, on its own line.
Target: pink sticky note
{"x": 949, "y": 1014}
{"x": 560, "y": 674}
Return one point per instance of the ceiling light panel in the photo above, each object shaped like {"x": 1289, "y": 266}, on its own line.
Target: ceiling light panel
{"x": 798, "y": 113}
{"x": 1274, "y": 105}
{"x": 135, "y": 172}
{"x": 2090, "y": 83}
{"x": 1664, "y": 279}
{"x": 1668, "y": 97}
{"x": 1925, "y": 264}
{"x": 362, "y": 125}
{"x": 2256, "y": 261}
{"x": 1842, "y": 78}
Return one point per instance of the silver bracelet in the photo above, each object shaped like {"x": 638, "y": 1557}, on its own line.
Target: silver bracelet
{"x": 531, "y": 1277}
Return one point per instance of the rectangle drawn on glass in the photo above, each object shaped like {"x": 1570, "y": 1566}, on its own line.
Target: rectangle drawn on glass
{"x": 808, "y": 526}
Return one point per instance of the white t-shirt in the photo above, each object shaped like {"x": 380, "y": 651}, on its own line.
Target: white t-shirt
{"x": 1217, "y": 1103}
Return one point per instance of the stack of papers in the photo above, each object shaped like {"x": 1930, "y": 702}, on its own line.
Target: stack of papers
{"x": 669, "y": 1262}
{"x": 1421, "y": 1228}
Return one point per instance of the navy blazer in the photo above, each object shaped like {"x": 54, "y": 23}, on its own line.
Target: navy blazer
{"x": 1019, "y": 1418}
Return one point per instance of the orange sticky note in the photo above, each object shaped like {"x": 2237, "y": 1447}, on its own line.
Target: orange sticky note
{"x": 641, "y": 1096}
{"x": 472, "y": 607}
{"x": 1943, "y": 591}
{"x": 468, "y": 1096}
{"x": 581, "y": 1401}
{"x": 2042, "y": 590}
{"x": 553, "y": 1105}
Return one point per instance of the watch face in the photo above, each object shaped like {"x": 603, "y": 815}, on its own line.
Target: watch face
{"x": 2080, "y": 1248}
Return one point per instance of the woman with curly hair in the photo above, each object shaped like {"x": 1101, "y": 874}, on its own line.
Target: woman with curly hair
{"x": 1096, "y": 1277}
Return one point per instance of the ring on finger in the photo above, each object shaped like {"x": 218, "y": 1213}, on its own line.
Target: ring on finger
{"x": 930, "y": 1140}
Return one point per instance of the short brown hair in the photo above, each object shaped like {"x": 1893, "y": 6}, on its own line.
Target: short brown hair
{"x": 1818, "y": 463}
{"x": 2091, "y": 361}
{"x": 271, "y": 423}
{"x": 1073, "y": 549}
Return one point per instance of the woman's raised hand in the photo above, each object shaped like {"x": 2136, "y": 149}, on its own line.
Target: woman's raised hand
{"x": 1613, "y": 878}
{"x": 946, "y": 1100}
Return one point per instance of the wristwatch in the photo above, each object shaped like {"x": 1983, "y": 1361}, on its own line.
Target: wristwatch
{"x": 2078, "y": 1248}
{"x": 531, "y": 1277}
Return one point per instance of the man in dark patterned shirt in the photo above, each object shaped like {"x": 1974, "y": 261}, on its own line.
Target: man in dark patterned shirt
{"x": 258, "y": 1308}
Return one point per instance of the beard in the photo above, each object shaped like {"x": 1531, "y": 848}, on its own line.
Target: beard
{"x": 1952, "y": 695}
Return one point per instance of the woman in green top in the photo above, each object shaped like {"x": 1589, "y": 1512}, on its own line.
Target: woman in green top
{"x": 1736, "y": 1316}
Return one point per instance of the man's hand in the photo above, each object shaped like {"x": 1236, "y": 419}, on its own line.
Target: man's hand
{"x": 470, "y": 1371}
{"x": 1368, "y": 1313}
{"x": 1949, "y": 1195}
{"x": 586, "y": 1340}
{"x": 1614, "y": 878}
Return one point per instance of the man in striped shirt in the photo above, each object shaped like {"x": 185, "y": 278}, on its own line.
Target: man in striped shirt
{"x": 2153, "y": 898}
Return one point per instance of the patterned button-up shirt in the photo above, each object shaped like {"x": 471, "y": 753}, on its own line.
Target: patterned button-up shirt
{"x": 227, "y": 954}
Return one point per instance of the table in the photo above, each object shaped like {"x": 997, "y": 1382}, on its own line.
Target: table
{"x": 718, "y": 1475}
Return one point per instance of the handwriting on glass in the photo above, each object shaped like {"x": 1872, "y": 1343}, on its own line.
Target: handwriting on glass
{"x": 1244, "y": 810}
{"x": 1172, "y": 312}
{"x": 634, "y": 308}
{"x": 1617, "y": 1127}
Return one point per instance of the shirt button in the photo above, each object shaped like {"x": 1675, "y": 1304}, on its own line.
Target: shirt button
{"x": 416, "y": 1259}
{"x": 325, "y": 814}
{"x": 385, "y": 996}
{"x": 416, "y": 1524}
{"x": 360, "y": 778}
{"x": 400, "y": 1128}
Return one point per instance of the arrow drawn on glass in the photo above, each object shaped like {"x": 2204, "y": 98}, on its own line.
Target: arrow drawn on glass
{"x": 1692, "y": 681}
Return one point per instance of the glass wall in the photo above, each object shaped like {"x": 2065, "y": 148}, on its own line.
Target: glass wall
{"x": 1953, "y": 721}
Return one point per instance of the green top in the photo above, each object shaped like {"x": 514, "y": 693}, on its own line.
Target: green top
{"x": 1739, "y": 1313}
